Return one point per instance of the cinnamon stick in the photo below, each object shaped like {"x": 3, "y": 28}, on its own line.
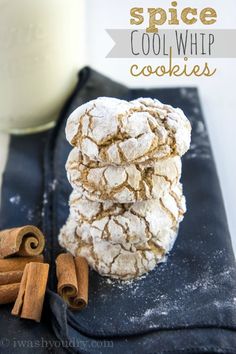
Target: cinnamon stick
{"x": 8, "y": 293}
{"x": 29, "y": 302}
{"x": 24, "y": 241}
{"x": 82, "y": 273}
{"x": 10, "y": 277}
{"x": 18, "y": 263}
{"x": 66, "y": 274}
{"x": 72, "y": 275}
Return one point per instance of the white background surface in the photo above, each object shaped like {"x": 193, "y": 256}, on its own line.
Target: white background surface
{"x": 218, "y": 94}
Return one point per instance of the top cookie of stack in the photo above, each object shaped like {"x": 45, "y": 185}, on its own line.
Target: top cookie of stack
{"x": 118, "y": 132}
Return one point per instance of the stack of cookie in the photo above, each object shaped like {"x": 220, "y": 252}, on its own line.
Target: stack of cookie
{"x": 125, "y": 170}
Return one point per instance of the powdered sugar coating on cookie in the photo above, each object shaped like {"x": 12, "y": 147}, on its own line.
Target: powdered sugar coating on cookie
{"x": 123, "y": 240}
{"x": 118, "y": 132}
{"x": 125, "y": 183}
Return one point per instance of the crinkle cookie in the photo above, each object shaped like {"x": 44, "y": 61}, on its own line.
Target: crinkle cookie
{"x": 123, "y": 184}
{"x": 118, "y": 132}
{"x": 123, "y": 240}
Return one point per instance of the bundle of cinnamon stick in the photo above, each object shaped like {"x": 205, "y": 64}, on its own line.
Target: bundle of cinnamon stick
{"x": 72, "y": 275}
{"x": 23, "y": 273}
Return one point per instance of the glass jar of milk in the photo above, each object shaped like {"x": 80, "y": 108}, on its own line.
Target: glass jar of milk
{"x": 41, "y": 50}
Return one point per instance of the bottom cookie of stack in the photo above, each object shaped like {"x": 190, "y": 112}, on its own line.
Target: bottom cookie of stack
{"x": 123, "y": 241}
